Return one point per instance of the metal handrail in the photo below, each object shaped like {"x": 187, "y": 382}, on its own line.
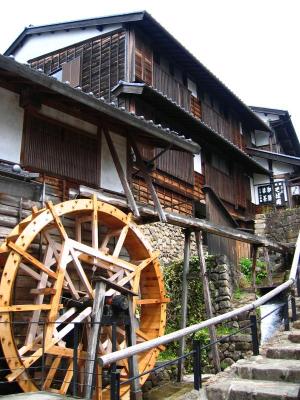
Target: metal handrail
{"x": 153, "y": 343}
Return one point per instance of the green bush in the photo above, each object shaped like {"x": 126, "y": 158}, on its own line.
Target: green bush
{"x": 246, "y": 269}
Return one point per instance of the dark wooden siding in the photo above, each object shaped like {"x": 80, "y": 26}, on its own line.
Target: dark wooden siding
{"x": 233, "y": 188}
{"x": 177, "y": 163}
{"x": 102, "y": 62}
{"x": 143, "y": 62}
{"x": 59, "y": 151}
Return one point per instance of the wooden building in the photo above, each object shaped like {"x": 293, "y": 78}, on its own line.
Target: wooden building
{"x": 133, "y": 63}
{"x": 279, "y": 151}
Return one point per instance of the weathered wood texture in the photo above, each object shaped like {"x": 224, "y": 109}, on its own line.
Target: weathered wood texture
{"x": 233, "y": 187}
{"x": 102, "y": 62}
{"x": 60, "y": 151}
{"x": 171, "y": 87}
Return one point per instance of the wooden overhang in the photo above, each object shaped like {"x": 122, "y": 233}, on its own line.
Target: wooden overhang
{"x": 199, "y": 131}
{"x": 283, "y": 128}
{"x": 164, "y": 42}
{"x": 270, "y": 155}
{"x": 20, "y": 77}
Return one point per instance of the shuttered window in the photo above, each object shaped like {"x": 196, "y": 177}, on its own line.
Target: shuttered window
{"x": 143, "y": 62}
{"x": 71, "y": 72}
{"x": 60, "y": 151}
{"x": 177, "y": 163}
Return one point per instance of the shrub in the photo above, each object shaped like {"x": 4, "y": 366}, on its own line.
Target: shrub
{"x": 246, "y": 268}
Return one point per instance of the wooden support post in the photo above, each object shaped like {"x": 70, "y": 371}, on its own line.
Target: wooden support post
{"x": 207, "y": 299}
{"x": 143, "y": 168}
{"x": 268, "y": 266}
{"x": 121, "y": 173}
{"x": 184, "y": 300}
{"x": 135, "y": 388}
{"x": 254, "y": 263}
{"x": 94, "y": 338}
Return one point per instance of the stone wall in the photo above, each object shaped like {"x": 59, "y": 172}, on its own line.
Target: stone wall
{"x": 168, "y": 239}
{"x": 281, "y": 226}
{"x": 222, "y": 284}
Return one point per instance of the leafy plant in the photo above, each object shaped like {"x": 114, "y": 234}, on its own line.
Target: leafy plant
{"x": 195, "y": 307}
{"x": 246, "y": 268}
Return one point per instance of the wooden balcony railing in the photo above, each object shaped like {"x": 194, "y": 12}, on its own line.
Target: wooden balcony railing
{"x": 169, "y": 86}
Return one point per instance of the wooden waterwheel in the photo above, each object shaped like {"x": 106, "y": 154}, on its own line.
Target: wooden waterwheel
{"x": 49, "y": 262}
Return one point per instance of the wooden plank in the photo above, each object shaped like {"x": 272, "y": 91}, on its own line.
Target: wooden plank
{"x": 122, "y": 176}
{"x": 32, "y": 260}
{"x": 146, "y": 337}
{"x": 101, "y": 256}
{"x": 93, "y": 343}
{"x": 207, "y": 299}
{"x": 27, "y": 307}
{"x": 51, "y": 373}
{"x": 153, "y": 301}
{"x": 184, "y": 301}
{"x": 81, "y": 273}
{"x": 142, "y": 166}
{"x": 43, "y": 291}
{"x": 190, "y": 222}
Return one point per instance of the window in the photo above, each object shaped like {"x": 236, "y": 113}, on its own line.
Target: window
{"x": 57, "y": 74}
{"x": 143, "y": 62}
{"x": 60, "y": 150}
{"x": 198, "y": 163}
{"x": 71, "y": 72}
{"x": 220, "y": 164}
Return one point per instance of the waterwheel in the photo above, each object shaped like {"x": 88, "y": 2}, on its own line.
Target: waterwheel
{"x": 49, "y": 262}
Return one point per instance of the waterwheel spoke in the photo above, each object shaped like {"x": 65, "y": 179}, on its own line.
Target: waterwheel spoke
{"x": 64, "y": 275}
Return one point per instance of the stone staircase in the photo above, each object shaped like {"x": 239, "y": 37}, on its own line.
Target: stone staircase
{"x": 273, "y": 375}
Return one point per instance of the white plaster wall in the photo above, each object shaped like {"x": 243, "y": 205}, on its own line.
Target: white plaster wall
{"x": 281, "y": 168}
{"x": 262, "y": 161}
{"x": 197, "y": 163}
{"x": 261, "y": 138}
{"x": 37, "y": 45}
{"x": 192, "y": 87}
{"x": 68, "y": 119}
{"x": 11, "y": 126}
{"x": 268, "y": 117}
{"x": 259, "y": 179}
{"x": 109, "y": 177}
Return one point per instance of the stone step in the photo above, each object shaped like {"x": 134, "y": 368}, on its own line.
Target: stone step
{"x": 294, "y": 336}
{"x": 296, "y": 324}
{"x": 246, "y": 389}
{"x": 286, "y": 350}
{"x": 262, "y": 368}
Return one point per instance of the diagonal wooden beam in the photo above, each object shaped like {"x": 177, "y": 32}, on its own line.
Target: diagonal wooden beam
{"x": 28, "y": 257}
{"x": 122, "y": 176}
{"x": 143, "y": 168}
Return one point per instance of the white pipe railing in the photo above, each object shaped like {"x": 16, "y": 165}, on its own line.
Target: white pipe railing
{"x": 153, "y": 343}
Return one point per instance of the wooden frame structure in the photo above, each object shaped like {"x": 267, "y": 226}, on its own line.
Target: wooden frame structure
{"x": 80, "y": 238}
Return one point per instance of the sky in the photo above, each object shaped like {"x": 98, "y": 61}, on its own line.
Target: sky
{"x": 251, "y": 45}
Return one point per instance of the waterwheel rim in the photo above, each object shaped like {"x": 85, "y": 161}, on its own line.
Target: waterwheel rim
{"x": 113, "y": 247}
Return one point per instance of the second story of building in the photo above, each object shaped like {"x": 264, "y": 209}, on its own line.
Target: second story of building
{"x": 133, "y": 62}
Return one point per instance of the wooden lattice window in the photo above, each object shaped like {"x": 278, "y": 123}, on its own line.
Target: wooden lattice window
{"x": 60, "y": 151}
{"x": 143, "y": 62}
{"x": 196, "y": 107}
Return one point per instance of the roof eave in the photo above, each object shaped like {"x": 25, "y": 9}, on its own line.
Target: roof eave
{"x": 109, "y": 109}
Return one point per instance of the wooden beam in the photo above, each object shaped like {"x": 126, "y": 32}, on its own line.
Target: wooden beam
{"x": 27, "y": 307}
{"x": 190, "y": 222}
{"x": 122, "y": 176}
{"x": 143, "y": 168}
{"x": 184, "y": 300}
{"x": 28, "y": 257}
{"x": 207, "y": 300}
